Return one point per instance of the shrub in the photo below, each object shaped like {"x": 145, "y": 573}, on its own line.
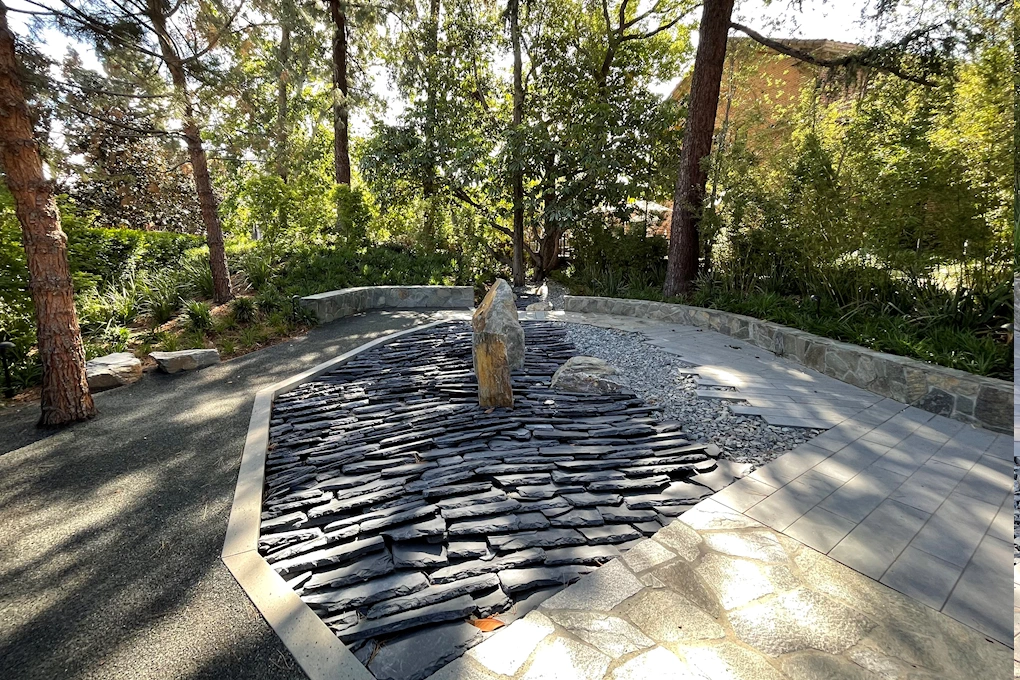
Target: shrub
{"x": 243, "y": 309}
{"x": 162, "y": 296}
{"x": 199, "y": 315}
{"x": 196, "y": 274}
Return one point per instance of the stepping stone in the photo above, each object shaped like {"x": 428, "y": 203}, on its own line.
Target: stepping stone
{"x": 411, "y": 532}
{"x": 377, "y": 565}
{"x": 482, "y": 509}
{"x": 550, "y": 538}
{"x": 581, "y": 554}
{"x": 515, "y": 581}
{"x": 459, "y": 550}
{"x": 361, "y": 594}
{"x": 477, "y": 567}
{"x": 579, "y": 517}
{"x": 610, "y": 533}
{"x": 655, "y": 482}
{"x": 491, "y": 525}
{"x": 451, "y": 610}
{"x": 398, "y": 518}
{"x": 433, "y": 594}
{"x": 417, "y": 655}
{"x": 588, "y": 500}
{"x": 335, "y": 555}
{"x": 419, "y": 555}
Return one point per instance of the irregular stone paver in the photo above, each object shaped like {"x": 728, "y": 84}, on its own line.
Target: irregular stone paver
{"x": 666, "y": 616}
{"x": 566, "y": 659}
{"x": 600, "y": 591}
{"x": 609, "y": 634}
{"x": 646, "y": 555}
{"x": 729, "y": 662}
{"x": 507, "y": 652}
{"x": 656, "y": 663}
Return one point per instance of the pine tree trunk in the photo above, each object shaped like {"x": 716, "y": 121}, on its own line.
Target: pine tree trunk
{"x": 689, "y": 194}
{"x": 65, "y": 390}
{"x": 432, "y": 84}
{"x": 199, "y": 163}
{"x": 517, "y": 172}
{"x": 282, "y": 137}
{"x": 341, "y": 143}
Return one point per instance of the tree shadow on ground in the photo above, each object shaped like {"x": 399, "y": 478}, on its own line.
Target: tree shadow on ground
{"x": 112, "y": 529}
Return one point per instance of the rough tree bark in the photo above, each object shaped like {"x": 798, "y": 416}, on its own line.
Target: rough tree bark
{"x": 517, "y": 171}
{"x": 196, "y": 152}
{"x": 432, "y": 85}
{"x": 341, "y": 143}
{"x": 65, "y": 390}
{"x": 689, "y": 194}
{"x": 282, "y": 79}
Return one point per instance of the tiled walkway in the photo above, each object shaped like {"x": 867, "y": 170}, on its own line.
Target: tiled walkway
{"x": 919, "y": 502}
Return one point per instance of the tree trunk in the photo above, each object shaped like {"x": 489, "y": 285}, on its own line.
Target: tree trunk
{"x": 431, "y": 95}
{"x": 689, "y": 194}
{"x": 549, "y": 245}
{"x": 65, "y": 390}
{"x": 282, "y": 136}
{"x": 516, "y": 170}
{"x": 341, "y": 143}
{"x": 196, "y": 152}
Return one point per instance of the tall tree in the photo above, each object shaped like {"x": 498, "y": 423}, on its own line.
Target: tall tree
{"x": 341, "y": 93}
{"x": 516, "y": 165}
{"x": 65, "y": 391}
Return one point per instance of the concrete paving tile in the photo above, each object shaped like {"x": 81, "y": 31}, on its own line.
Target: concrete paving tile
{"x": 856, "y": 499}
{"x": 790, "y": 465}
{"x": 927, "y": 488}
{"x": 812, "y": 422}
{"x": 955, "y": 530}
{"x": 983, "y": 588}
{"x": 1002, "y": 447}
{"x": 786, "y": 505}
{"x": 820, "y": 529}
{"x": 976, "y": 437}
{"x": 986, "y": 481}
{"x": 922, "y": 576}
{"x": 744, "y": 493}
{"x": 1002, "y": 525}
{"x": 905, "y": 461}
{"x": 874, "y": 544}
{"x": 851, "y": 459}
{"x": 956, "y": 453}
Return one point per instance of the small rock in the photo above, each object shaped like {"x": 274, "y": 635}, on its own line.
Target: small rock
{"x": 112, "y": 370}
{"x": 587, "y": 375}
{"x": 185, "y": 359}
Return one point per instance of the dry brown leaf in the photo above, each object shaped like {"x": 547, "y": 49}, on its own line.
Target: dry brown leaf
{"x": 487, "y": 625}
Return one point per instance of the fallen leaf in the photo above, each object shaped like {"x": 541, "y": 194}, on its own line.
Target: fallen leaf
{"x": 487, "y": 625}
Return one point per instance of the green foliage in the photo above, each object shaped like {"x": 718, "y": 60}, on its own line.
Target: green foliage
{"x": 608, "y": 262}
{"x": 162, "y": 296}
{"x": 197, "y": 276}
{"x": 243, "y": 309}
{"x": 112, "y": 254}
{"x": 199, "y": 315}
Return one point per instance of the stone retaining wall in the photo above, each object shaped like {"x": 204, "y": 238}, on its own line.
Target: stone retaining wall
{"x": 336, "y": 304}
{"x": 948, "y": 392}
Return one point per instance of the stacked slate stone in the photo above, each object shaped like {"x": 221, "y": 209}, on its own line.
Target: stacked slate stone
{"x": 398, "y": 509}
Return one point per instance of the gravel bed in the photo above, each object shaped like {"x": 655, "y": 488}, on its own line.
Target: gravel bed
{"x": 655, "y": 376}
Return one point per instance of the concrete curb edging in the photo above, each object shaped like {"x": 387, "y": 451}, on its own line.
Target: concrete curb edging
{"x": 987, "y": 402}
{"x": 321, "y": 655}
{"x": 336, "y": 304}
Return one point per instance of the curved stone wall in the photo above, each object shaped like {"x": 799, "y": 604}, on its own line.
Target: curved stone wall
{"x": 987, "y": 402}
{"x": 336, "y": 304}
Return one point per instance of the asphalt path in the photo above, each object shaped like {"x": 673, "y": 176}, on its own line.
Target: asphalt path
{"x": 111, "y": 530}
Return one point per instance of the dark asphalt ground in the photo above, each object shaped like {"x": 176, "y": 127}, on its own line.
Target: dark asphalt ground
{"x": 111, "y": 530}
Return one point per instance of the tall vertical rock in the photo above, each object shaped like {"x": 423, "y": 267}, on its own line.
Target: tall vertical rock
{"x": 497, "y": 345}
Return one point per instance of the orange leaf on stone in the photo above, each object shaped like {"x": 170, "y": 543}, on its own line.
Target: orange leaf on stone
{"x": 487, "y": 625}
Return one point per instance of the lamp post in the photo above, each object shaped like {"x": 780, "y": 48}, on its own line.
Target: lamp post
{"x": 5, "y": 348}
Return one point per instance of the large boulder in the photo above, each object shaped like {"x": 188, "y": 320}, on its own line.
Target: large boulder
{"x": 112, "y": 370}
{"x": 497, "y": 345}
{"x": 185, "y": 359}
{"x": 588, "y": 375}
{"x": 498, "y": 315}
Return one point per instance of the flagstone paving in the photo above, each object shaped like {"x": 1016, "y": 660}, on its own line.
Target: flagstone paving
{"x": 720, "y": 596}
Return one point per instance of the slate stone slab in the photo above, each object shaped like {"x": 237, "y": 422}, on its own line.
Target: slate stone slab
{"x": 362, "y": 570}
{"x": 419, "y": 555}
{"x": 514, "y": 581}
{"x": 463, "y": 570}
{"x": 550, "y": 538}
{"x": 482, "y": 509}
{"x": 561, "y": 477}
{"x": 398, "y": 518}
{"x": 451, "y": 610}
{"x": 333, "y": 555}
{"x": 677, "y": 493}
{"x": 581, "y": 554}
{"x": 460, "y": 550}
{"x": 412, "y": 532}
{"x": 512, "y": 481}
{"x": 361, "y": 594}
{"x": 285, "y": 538}
{"x": 579, "y": 517}
{"x": 492, "y": 603}
{"x": 654, "y": 482}
{"x": 610, "y": 533}
{"x": 490, "y": 496}
{"x": 433, "y": 594}
{"x": 529, "y": 521}
{"x": 625, "y": 514}
{"x": 456, "y": 490}
{"x": 418, "y": 655}
{"x": 483, "y": 527}
{"x": 588, "y": 500}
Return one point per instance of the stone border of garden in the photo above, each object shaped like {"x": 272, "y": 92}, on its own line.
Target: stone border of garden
{"x": 336, "y": 304}
{"x": 314, "y": 646}
{"x": 987, "y": 402}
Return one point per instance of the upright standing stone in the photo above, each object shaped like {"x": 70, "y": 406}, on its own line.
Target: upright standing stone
{"x": 497, "y": 345}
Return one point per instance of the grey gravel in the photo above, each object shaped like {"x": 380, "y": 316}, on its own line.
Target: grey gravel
{"x": 654, "y": 375}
